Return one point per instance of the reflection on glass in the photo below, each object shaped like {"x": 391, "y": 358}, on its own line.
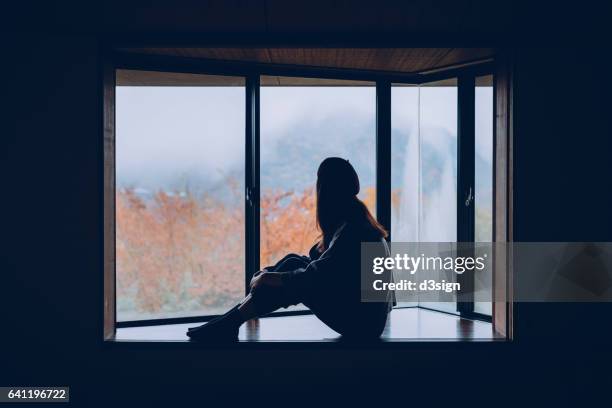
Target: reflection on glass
{"x": 303, "y": 121}
{"x": 483, "y": 184}
{"x": 405, "y": 166}
{"x": 438, "y": 173}
{"x": 438, "y": 162}
{"x": 405, "y": 163}
{"x": 179, "y": 198}
{"x": 424, "y": 166}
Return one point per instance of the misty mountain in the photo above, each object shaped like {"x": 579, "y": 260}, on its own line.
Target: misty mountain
{"x": 289, "y": 161}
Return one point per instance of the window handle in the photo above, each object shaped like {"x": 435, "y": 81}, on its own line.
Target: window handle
{"x": 469, "y": 198}
{"x": 249, "y": 196}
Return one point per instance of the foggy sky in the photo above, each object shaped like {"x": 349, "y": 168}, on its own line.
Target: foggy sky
{"x": 165, "y": 133}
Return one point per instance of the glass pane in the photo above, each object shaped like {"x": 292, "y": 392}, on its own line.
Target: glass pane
{"x": 303, "y": 121}
{"x": 438, "y": 158}
{"x": 483, "y": 183}
{"x": 405, "y": 171}
{"x": 405, "y": 163}
{"x": 424, "y": 167}
{"x": 179, "y": 199}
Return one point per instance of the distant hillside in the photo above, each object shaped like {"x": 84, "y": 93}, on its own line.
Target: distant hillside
{"x": 289, "y": 161}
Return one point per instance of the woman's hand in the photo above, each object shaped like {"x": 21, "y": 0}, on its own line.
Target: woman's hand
{"x": 265, "y": 278}
{"x": 255, "y": 276}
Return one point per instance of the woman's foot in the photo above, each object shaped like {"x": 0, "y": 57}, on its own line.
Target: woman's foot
{"x": 222, "y": 329}
{"x": 190, "y": 329}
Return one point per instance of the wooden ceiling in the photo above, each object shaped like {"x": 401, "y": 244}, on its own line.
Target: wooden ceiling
{"x": 130, "y": 77}
{"x": 404, "y": 60}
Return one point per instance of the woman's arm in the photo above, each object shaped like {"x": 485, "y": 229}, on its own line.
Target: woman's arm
{"x": 312, "y": 271}
{"x": 284, "y": 259}
{"x": 338, "y": 256}
{"x": 266, "y": 279}
{"x": 288, "y": 263}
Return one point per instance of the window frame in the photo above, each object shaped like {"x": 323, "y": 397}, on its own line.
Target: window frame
{"x": 466, "y": 89}
{"x": 114, "y": 60}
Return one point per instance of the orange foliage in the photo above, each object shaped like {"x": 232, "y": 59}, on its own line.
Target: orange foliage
{"x": 185, "y": 253}
{"x": 288, "y": 222}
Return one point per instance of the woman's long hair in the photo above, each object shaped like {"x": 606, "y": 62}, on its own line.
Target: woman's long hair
{"x": 337, "y": 202}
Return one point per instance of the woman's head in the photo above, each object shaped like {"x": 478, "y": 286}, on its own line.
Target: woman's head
{"x": 337, "y": 202}
{"x": 338, "y": 177}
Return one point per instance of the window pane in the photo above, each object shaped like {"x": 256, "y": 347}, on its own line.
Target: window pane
{"x": 405, "y": 163}
{"x": 438, "y": 158}
{"x": 405, "y": 169}
{"x": 438, "y": 178}
{"x": 303, "y": 121}
{"x": 424, "y": 167}
{"x": 179, "y": 199}
{"x": 483, "y": 184}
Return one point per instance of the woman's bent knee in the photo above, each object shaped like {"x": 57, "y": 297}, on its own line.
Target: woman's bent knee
{"x": 291, "y": 263}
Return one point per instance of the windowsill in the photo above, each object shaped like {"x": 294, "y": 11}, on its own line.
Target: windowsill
{"x": 408, "y": 324}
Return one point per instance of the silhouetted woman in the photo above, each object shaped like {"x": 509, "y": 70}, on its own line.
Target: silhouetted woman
{"x": 327, "y": 281}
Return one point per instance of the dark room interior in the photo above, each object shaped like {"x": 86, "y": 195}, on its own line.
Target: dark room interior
{"x": 63, "y": 65}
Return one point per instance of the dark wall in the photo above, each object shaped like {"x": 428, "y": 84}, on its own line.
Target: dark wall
{"x": 562, "y": 192}
{"x": 51, "y": 160}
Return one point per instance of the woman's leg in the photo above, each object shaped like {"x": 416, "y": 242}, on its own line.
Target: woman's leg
{"x": 288, "y": 263}
{"x": 221, "y": 328}
{"x": 264, "y": 300}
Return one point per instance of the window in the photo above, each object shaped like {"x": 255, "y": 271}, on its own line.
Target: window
{"x": 215, "y": 176}
{"x": 483, "y": 176}
{"x": 438, "y": 172}
{"x": 438, "y": 162}
{"x": 424, "y": 173}
{"x": 424, "y": 166}
{"x": 303, "y": 121}
{"x": 405, "y": 169}
{"x": 179, "y": 194}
